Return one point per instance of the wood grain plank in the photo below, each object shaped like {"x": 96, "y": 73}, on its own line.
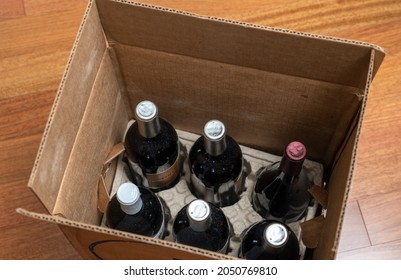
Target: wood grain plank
{"x": 386, "y": 251}
{"x": 25, "y": 115}
{"x": 22, "y": 120}
{"x": 39, "y": 71}
{"x": 15, "y": 195}
{"x": 17, "y": 157}
{"x": 35, "y": 240}
{"x": 42, "y": 7}
{"x": 31, "y": 65}
{"x": 11, "y": 9}
{"x": 323, "y": 17}
{"x": 49, "y": 32}
{"x": 36, "y": 52}
{"x": 353, "y": 226}
{"x": 379, "y": 153}
{"x": 382, "y": 216}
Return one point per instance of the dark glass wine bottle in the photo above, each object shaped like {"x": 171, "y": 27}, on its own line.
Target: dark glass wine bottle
{"x": 137, "y": 210}
{"x": 203, "y": 225}
{"x": 216, "y": 164}
{"x": 269, "y": 240}
{"x": 153, "y": 148}
{"x": 281, "y": 190}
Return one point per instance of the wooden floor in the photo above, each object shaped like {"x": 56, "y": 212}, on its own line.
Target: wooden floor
{"x": 35, "y": 41}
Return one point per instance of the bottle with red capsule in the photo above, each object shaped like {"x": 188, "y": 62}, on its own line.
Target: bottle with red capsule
{"x": 281, "y": 190}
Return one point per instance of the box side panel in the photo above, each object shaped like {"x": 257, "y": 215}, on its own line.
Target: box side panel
{"x": 103, "y": 126}
{"x": 281, "y": 51}
{"x": 68, "y": 109}
{"x": 94, "y": 242}
{"x": 99, "y": 245}
{"x": 260, "y": 109}
{"x": 340, "y": 181}
{"x": 338, "y": 188}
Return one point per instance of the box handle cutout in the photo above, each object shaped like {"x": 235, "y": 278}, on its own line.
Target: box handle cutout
{"x": 102, "y": 189}
{"x": 320, "y": 195}
{"x": 311, "y": 231}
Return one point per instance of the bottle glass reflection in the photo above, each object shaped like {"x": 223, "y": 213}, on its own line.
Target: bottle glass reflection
{"x": 201, "y": 224}
{"x": 216, "y": 166}
{"x": 153, "y": 148}
{"x": 137, "y": 210}
{"x": 281, "y": 190}
{"x": 269, "y": 240}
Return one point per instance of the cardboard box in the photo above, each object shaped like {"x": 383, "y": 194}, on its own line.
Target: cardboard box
{"x": 269, "y": 86}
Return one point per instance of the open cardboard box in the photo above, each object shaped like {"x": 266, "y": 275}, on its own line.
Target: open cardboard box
{"x": 269, "y": 86}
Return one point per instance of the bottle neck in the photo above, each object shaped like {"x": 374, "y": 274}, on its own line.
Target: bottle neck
{"x": 132, "y": 209}
{"x": 293, "y": 159}
{"x": 146, "y": 114}
{"x": 149, "y": 129}
{"x": 275, "y": 237}
{"x": 290, "y": 168}
{"x": 129, "y": 197}
{"x": 215, "y": 147}
{"x": 199, "y": 215}
{"x": 215, "y": 138}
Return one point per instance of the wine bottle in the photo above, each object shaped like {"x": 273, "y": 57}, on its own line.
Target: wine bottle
{"x": 137, "y": 210}
{"x": 216, "y": 166}
{"x": 153, "y": 148}
{"x": 203, "y": 225}
{"x": 281, "y": 189}
{"x": 269, "y": 240}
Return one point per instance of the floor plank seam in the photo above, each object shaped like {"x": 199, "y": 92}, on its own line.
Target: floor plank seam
{"x": 364, "y": 223}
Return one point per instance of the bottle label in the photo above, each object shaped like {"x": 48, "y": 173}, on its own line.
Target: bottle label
{"x": 227, "y": 193}
{"x": 166, "y": 175}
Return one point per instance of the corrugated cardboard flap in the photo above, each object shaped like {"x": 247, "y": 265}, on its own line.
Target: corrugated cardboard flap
{"x": 311, "y": 231}
{"x": 68, "y": 109}
{"x": 340, "y": 181}
{"x": 106, "y": 177}
{"x": 96, "y": 242}
{"x": 102, "y": 126}
{"x": 228, "y": 41}
{"x": 272, "y": 74}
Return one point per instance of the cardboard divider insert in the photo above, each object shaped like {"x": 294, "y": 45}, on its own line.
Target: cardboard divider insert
{"x": 241, "y": 215}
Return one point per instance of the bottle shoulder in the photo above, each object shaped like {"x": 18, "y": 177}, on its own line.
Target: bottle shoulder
{"x": 252, "y": 245}
{"x": 151, "y": 153}
{"x": 230, "y": 159}
{"x": 215, "y": 237}
{"x": 167, "y": 133}
{"x": 271, "y": 173}
{"x": 218, "y": 220}
{"x": 148, "y": 221}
